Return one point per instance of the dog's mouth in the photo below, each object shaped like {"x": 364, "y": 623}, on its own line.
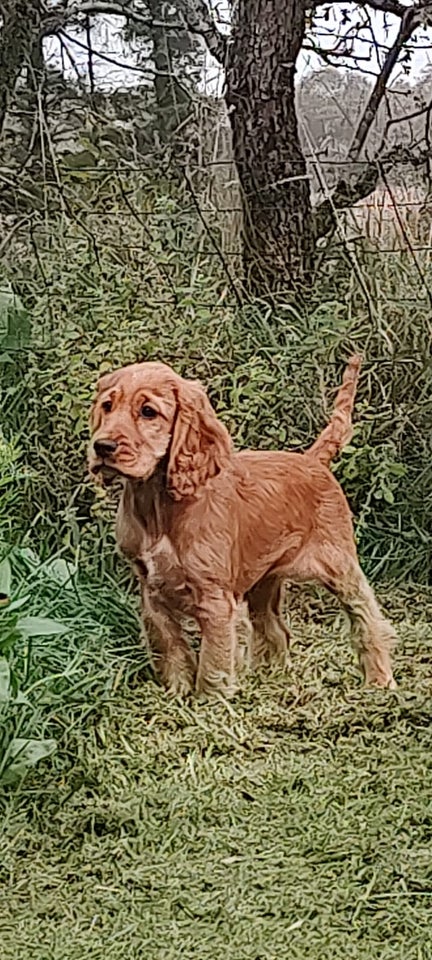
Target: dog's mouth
{"x": 107, "y": 471}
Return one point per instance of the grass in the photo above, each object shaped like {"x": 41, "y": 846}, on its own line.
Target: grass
{"x": 296, "y": 821}
{"x": 125, "y": 271}
{"x": 395, "y": 218}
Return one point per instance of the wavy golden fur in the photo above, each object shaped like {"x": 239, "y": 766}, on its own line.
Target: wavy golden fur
{"x": 208, "y": 528}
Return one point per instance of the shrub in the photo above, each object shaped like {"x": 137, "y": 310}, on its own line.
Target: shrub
{"x": 140, "y": 288}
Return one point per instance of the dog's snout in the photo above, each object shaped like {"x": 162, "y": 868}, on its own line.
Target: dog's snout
{"x": 105, "y": 448}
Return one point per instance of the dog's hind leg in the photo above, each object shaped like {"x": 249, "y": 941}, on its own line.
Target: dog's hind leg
{"x": 271, "y": 635}
{"x": 372, "y": 634}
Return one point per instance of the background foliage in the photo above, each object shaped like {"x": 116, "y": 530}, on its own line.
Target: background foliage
{"x": 132, "y": 825}
{"x": 126, "y": 271}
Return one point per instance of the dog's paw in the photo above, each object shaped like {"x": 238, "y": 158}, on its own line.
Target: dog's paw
{"x": 217, "y": 684}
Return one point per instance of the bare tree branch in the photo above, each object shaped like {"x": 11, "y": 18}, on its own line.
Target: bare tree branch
{"x": 196, "y": 17}
{"x": 113, "y": 9}
{"x": 384, "y": 6}
{"x": 90, "y": 55}
{"x": 199, "y": 20}
{"x": 409, "y": 22}
{"x": 20, "y": 28}
{"x": 56, "y": 20}
{"x": 393, "y": 7}
{"x": 405, "y": 118}
{"x": 345, "y": 195}
{"x": 144, "y": 71}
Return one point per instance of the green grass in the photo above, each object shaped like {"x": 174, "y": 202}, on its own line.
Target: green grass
{"x": 296, "y": 821}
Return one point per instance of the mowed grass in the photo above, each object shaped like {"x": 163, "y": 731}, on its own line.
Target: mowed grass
{"x": 294, "y": 822}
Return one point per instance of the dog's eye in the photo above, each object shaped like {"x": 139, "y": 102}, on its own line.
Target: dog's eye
{"x": 107, "y": 406}
{"x": 147, "y": 412}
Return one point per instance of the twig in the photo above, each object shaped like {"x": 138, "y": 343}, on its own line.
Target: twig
{"x": 404, "y": 232}
{"x": 408, "y": 25}
{"x": 90, "y": 55}
{"x": 199, "y": 20}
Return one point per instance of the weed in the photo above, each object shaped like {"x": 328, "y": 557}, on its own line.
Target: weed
{"x": 295, "y": 819}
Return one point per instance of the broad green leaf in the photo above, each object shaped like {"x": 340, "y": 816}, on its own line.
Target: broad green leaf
{"x": 30, "y": 555}
{"x": 41, "y": 627}
{"x": 8, "y": 298}
{"x": 21, "y": 698}
{"x": 14, "y": 319}
{"x": 31, "y": 750}
{"x": 5, "y": 580}
{"x": 17, "y": 604}
{"x": 9, "y": 637}
{"x": 76, "y": 161}
{"x": 4, "y": 681}
{"x": 26, "y": 754}
{"x": 60, "y": 570}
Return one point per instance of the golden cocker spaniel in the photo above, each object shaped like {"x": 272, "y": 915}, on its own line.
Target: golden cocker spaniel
{"x": 208, "y": 528}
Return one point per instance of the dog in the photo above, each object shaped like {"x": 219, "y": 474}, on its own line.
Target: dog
{"x": 209, "y": 529}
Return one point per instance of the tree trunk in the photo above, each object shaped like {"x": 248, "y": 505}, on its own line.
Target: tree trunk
{"x": 36, "y": 87}
{"x": 21, "y": 25}
{"x": 163, "y": 81}
{"x": 278, "y": 223}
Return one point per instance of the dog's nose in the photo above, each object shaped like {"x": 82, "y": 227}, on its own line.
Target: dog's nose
{"x": 105, "y": 448}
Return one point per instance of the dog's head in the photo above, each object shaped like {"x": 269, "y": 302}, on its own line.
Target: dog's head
{"x": 145, "y": 414}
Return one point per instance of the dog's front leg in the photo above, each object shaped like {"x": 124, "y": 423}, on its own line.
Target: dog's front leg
{"x": 172, "y": 658}
{"x": 216, "y": 617}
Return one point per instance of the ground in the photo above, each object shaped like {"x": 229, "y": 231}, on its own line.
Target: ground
{"x": 296, "y": 821}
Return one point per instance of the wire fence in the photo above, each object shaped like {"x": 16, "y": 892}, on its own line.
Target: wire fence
{"x": 94, "y": 176}
{"x": 122, "y": 238}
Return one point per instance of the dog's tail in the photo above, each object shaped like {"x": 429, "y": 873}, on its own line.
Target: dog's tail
{"x": 338, "y": 431}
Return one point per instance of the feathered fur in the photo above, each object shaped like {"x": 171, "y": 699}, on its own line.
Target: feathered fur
{"x": 210, "y": 530}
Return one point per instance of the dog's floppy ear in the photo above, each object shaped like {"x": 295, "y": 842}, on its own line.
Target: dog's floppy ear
{"x": 200, "y": 444}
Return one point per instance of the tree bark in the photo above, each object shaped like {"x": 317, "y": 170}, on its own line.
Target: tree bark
{"x": 21, "y": 26}
{"x": 164, "y": 80}
{"x": 278, "y": 223}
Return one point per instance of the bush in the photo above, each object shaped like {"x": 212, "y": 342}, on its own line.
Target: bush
{"x": 125, "y": 293}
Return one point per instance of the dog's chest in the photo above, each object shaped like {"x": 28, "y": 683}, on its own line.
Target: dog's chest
{"x": 161, "y": 570}
{"x": 142, "y": 538}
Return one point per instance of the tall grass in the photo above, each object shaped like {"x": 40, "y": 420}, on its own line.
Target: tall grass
{"x": 167, "y": 828}
{"x": 133, "y": 825}
{"x": 395, "y": 218}
{"x": 64, "y": 644}
{"x": 128, "y": 271}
